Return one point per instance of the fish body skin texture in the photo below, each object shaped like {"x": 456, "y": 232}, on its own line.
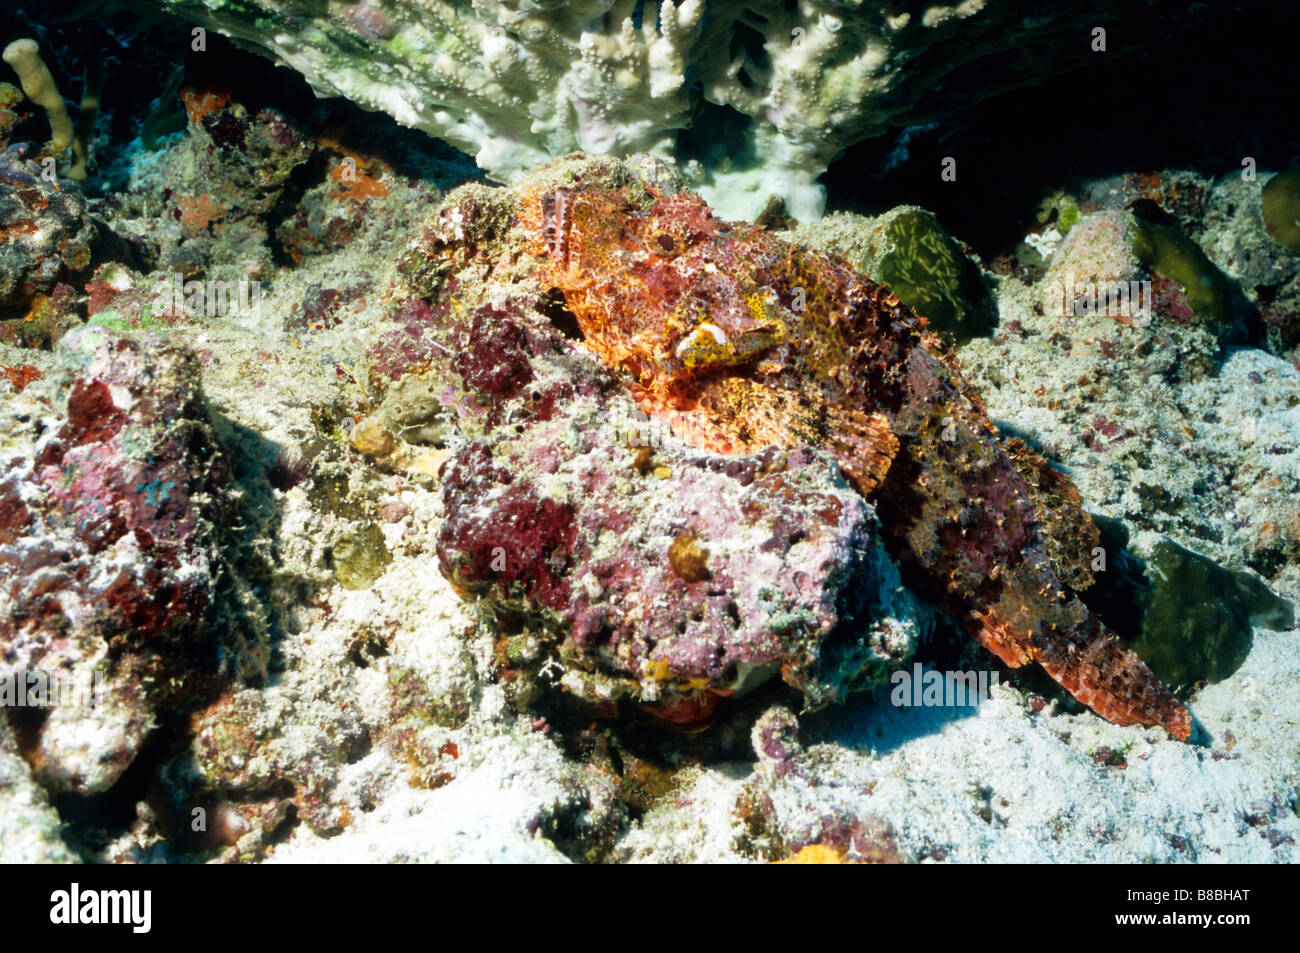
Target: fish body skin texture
{"x": 738, "y": 340}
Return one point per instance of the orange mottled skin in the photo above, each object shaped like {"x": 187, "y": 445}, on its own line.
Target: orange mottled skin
{"x": 738, "y": 340}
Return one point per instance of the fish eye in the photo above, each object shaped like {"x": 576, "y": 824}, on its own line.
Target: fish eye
{"x": 667, "y": 244}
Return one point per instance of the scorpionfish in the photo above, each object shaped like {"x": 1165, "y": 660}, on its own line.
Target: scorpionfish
{"x": 739, "y": 340}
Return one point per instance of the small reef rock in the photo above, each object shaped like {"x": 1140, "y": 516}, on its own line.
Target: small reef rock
{"x": 669, "y": 577}
{"x": 46, "y": 242}
{"x": 110, "y": 508}
{"x": 910, "y": 253}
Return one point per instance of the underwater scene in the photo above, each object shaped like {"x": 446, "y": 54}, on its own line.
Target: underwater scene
{"x": 613, "y": 431}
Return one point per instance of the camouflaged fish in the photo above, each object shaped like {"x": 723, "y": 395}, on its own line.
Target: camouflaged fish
{"x": 752, "y": 341}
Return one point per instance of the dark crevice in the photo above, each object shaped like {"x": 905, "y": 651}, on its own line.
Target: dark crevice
{"x": 564, "y": 320}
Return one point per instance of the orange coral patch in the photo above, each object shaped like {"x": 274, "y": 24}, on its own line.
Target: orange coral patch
{"x": 199, "y": 103}
{"x": 198, "y": 213}
{"x": 20, "y": 377}
{"x": 355, "y": 184}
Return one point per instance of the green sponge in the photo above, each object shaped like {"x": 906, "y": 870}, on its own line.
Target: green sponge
{"x": 912, "y": 256}
{"x": 1281, "y": 204}
{"x": 1198, "y": 617}
{"x": 1171, "y": 254}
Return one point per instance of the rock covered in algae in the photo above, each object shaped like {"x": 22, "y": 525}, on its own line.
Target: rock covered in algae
{"x": 1237, "y": 225}
{"x": 915, "y": 258}
{"x": 1198, "y": 617}
{"x": 1191, "y": 619}
{"x": 1167, "y": 252}
{"x": 666, "y": 576}
{"x": 360, "y": 557}
{"x": 109, "y": 510}
{"x": 46, "y": 241}
{"x": 909, "y": 252}
{"x": 216, "y": 188}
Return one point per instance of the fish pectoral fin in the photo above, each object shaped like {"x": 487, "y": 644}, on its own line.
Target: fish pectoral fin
{"x": 739, "y": 415}
{"x": 864, "y": 446}
{"x": 696, "y": 423}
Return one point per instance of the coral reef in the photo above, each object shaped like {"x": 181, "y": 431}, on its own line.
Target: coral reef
{"x": 29, "y": 826}
{"x": 784, "y": 813}
{"x": 516, "y": 83}
{"x": 1157, "y": 422}
{"x": 25, "y": 58}
{"x": 413, "y": 576}
{"x": 1219, "y": 228}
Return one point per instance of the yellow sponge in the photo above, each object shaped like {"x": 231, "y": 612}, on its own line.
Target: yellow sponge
{"x": 25, "y": 58}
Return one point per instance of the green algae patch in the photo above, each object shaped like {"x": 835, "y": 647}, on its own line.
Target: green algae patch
{"x": 360, "y": 557}
{"x": 912, "y": 255}
{"x": 1171, "y": 254}
{"x": 1280, "y": 201}
{"x": 116, "y": 322}
{"x": 1198, "y": 617}
{"x": 415, "y": 706}
{"x": 1059, "y": 210}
